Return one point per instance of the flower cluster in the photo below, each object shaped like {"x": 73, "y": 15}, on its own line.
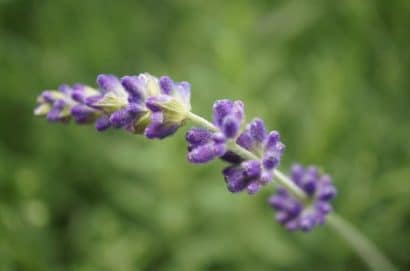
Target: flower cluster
{"x": 241, "y": 174}
{"x": 140, "y": 104}
{"x": 295, "y": 214}
{"x": 205, "y": 145}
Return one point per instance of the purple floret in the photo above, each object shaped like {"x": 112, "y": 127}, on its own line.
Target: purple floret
{"x": 228, "y": 116}
{"x": 257, "y": 173}
{"x": 205, "y": 145}
{"x": 296, "y": 215}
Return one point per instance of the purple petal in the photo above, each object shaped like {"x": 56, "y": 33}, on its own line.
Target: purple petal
{"x": 266, "y": 177}
{"x": 48, "y": 96}
{"x": 270, "y": 162}
{"x": 158, "y": 129}
{"x": 102, "y": 123}
{"x": 230, "y": 127}
{"x": 108, "y": 82}
{"x": 93, "y": 100}
{"x": 64, "y": 88}
{"x": 135, "y": 109}
{"x": 54, "y": 114}
{"x": 307, "y": 223}
{"x": 166, "y": 84}
{"x": 272, "y": 139}
{"x": 252, "y": 169}
{"x": 221, "y": 109}
{"x": 154, "y": 103}
{"x": 296, "y": 173}
{"x": 205, "y": 153}
{"x": 245, "y": 141}
{"x": 234, "y": 178}
{"x": 327, "y": 192}
{"x": 82, "y": 113}
{"x": 218, "y": 138}
{"x": 121, "y": 118}
{"x": 253, "y": 188}
{"x": 323, "y": 207}
{"x": 257, "y": 130}
{"x": 135, "y": 86}
{"x": 198, "y": 136}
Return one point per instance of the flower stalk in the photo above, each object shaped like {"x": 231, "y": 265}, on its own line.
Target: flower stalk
{"x": 368, "y": 251}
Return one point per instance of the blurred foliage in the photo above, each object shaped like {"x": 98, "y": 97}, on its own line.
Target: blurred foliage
{"x": 332, "y": 76}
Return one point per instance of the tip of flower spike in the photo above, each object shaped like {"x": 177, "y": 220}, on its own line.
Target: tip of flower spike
{"x": 319, "y": 190}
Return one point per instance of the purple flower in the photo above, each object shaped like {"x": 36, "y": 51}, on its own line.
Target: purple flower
{"x": 123, "y": 101}
{"x": 169, "y": 106}
{"x": 249, "y": 175}
{"x": 204, "y": 145}
{"x": 83, "y": 114}
{"x": 112, "y": 97}
{"x": 294, "y": 214}
{"x": 228, "y": 116}
{"x": 102, "y": 123}
{"x": 255, "y": 173}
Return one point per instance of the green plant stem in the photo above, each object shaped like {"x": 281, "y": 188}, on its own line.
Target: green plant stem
{"x": 368, "y": 251}
{"x": 363, "y": 246}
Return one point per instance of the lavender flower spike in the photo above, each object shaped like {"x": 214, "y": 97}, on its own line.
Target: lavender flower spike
{"x": 297, "y": 215}
{"x": 157, "y": 107}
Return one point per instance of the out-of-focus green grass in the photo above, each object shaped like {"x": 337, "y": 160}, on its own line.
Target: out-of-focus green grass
{"x": 332, "y": 76}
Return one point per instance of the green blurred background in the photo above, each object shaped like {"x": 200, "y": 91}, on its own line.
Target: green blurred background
{"x": 332, "y": 76}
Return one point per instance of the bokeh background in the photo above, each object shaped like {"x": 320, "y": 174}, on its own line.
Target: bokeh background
{"x": 332, "y": 76}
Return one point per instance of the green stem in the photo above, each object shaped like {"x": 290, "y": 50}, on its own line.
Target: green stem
{"x": 201, "y": 121}
{"x": 363, "y": 246}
